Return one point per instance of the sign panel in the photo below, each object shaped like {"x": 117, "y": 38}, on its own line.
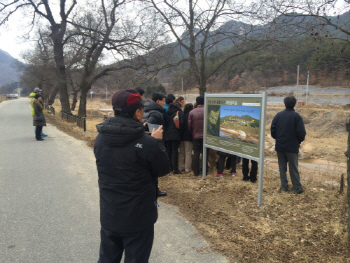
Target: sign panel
{"x": 233, "y": 124}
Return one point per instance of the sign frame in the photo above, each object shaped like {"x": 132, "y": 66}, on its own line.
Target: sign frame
{"x": 262, "y": 125}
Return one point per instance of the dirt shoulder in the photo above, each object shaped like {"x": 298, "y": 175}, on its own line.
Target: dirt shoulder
{"x": 310, "y": 227}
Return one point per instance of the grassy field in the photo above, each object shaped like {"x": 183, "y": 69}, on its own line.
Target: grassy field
{"x": 310, "y": 227}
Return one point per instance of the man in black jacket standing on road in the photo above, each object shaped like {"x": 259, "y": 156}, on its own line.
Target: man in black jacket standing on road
{"x": 288, "y": 129}
{"x": 128, "y": 163}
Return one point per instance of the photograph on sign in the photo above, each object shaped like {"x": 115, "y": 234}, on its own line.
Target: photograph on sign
{"x": 240, "y": 123}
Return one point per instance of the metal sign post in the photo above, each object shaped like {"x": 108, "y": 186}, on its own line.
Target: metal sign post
{"x": 307, "y": 86}
{"x": 235, "y": 124}
{"x": 91, "y": 92}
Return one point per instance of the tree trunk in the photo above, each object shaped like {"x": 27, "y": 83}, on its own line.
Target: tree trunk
{"x": 64, "y": 97}
{"x": 52, "y": 96}
{"x": 74, "y": 103}
{"x": 82, "y": 103}
{"x": 202, "y": 86}
{"x": 61, "y": 72}
{"x": 347, "y": 154}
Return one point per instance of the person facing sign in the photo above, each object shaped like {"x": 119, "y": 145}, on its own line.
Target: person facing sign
{"x": 288, "y": 129}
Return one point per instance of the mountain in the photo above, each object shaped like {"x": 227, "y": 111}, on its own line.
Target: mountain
{"x": 290, "y": 26}
{"x": 10, "y": 68}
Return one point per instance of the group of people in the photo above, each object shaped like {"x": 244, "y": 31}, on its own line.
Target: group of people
{"x": 183, "y": 134}
{"x": 130, "y": 157}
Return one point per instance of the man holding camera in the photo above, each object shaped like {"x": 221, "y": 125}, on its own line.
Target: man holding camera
{"x": 129, "y": 161}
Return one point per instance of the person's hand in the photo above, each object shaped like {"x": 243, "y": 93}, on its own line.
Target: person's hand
{"x": 144, "y": 124}
{"x": 158, "y": 134}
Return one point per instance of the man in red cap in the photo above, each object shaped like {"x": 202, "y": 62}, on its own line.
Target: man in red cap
{"x": 129, "y": 161}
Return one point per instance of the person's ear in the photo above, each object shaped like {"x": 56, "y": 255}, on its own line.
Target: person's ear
{"x": 138, "y": 115}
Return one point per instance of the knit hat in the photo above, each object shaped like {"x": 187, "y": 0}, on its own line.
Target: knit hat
{"x": 128, "y": 101}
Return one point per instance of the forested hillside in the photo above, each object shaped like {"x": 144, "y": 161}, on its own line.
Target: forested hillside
{"x": 328, "y": 61}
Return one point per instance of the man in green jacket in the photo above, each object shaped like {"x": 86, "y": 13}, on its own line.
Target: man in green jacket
{"x": 31, "y": 100}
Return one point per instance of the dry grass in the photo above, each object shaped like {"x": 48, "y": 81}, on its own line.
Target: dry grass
{"x": 325, "y": 131}
{"x": 287, "y": 228}
{"x": 91, "y": 120}
{"x": 310, "y": 227}
{"x": 2, "y": 98}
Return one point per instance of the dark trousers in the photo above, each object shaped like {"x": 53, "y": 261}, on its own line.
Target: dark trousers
{"x": 197, "y": 150}
{"x": 38, "y": 130}
{"x": 292, "y": 160}
{"x": 137, "y": 246}
{"x": 232, "y": 162}
{"x": 253, "y": 170}
{"x": 172, "y": 148}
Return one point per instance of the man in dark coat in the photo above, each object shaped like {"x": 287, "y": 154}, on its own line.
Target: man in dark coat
{"x": 155, "y": 111}
{"x": 168, "y": 100}
{"x": 154, "y": 115}
{"x": 172, "y": 133}
{"x": 288, "y": 129}
{"x": 129, "y": 161}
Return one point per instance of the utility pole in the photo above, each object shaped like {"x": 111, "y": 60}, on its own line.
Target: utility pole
{"x": 297, "y": 86}
{"x": 297, "y": 82}
{"x": 91, "y": 92}
{"x": 307, "y": 86}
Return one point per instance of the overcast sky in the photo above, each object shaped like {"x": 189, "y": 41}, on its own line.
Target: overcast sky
{"x": 11, "y": 36}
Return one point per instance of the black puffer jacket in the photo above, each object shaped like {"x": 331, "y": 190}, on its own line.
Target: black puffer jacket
{"x": 172, "y": 133}
{"x": 154, "y": 114}
{"x": 186, "y": 134}
{"x": 128, "y": 163}
{"x": 288, "y": 129}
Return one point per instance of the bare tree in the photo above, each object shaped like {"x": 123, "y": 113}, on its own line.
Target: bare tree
{"x": 320, "y": 19}
{"x": 109, "y": 29}
{"x": 40, "y": 67}
{"x": 200, "y": 27}
{"x": 42, "y": 10}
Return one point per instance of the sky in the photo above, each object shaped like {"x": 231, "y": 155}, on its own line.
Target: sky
{"x": 10, "y": 36}
{"x": 11, "y": 40}
{"x": 239, "y": 111}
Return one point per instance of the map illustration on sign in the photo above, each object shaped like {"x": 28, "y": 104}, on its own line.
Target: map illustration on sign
{"x": 240, "y": 123}
{"x": 213, "y": 126}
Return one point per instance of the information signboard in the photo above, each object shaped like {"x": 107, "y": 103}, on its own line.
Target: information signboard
{"x": 235, "y": 124}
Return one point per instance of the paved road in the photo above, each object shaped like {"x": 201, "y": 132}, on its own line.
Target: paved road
{"x": 49, "y": 200}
